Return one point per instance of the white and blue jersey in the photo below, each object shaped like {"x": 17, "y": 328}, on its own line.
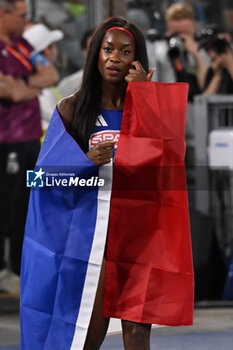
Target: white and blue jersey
{"x": 107, "y": 127}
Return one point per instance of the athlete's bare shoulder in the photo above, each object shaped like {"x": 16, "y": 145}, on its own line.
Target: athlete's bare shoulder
{"x": 66, "y": 109}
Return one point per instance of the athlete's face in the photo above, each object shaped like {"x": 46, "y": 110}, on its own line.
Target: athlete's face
{"x": 117, "y": 51}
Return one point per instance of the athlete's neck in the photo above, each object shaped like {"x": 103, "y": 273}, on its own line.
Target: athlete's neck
{"x": 113, "y": 96}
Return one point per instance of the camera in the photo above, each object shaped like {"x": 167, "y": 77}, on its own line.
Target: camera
{"x": 211, "y": 38}
{"x": 175, "y": 46}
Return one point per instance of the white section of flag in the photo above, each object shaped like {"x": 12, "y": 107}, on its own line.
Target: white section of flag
{"x": 95, "y": 259}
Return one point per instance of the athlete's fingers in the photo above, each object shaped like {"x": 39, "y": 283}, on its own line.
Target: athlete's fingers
{"x": 105, "y": 144}
{"x": 137, "y": 66}
{"x": 103, "y": 151}
{"x": 150, "y": 74}
{"x": 104, "y": 160}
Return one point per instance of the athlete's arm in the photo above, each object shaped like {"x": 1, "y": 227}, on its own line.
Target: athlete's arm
{"x": 66, "y": 109}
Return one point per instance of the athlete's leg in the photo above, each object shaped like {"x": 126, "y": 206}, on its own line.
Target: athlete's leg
{"x": 99, "y": 325}
{"x": 136, "y": 336}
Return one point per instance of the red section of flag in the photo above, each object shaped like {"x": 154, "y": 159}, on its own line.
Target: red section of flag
{"x": 149, "y": 273}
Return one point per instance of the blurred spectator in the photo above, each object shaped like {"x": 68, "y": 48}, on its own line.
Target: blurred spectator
{"x": 43, "y": 40}
{"x": 71, "y": 83}
{"x": 178, "y": 57}
{"x": 219, "y": 77}
{"x": 20, "y": 131}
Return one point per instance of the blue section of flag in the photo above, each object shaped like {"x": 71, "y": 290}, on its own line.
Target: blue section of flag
{"x": 56, "y": 251}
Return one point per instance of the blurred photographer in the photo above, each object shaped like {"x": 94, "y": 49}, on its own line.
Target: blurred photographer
{"x": 189, "y": 63}
{"x": 219, "y": 77}
{"x": 177, "y": 56}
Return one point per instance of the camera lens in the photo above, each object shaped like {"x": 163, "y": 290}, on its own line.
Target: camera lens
{"x": 175, "y": 46}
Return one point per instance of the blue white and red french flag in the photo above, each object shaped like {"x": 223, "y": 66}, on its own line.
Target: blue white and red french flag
{"x": 142, "y": 212}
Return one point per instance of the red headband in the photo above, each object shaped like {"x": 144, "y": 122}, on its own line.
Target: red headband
{"x": 125, "y": 30}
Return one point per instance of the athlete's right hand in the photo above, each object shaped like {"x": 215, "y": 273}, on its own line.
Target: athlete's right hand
{"x": 101, "y": 153}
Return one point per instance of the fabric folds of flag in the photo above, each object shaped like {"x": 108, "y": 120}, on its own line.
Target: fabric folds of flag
{"x": 142, "y": 210}
{"x": 63, "y": 248}
{"x": 149, "y": 271}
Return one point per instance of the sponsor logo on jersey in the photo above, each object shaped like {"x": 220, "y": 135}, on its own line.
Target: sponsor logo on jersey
{"x": 100, "y": 121}
{"x": 108, "y": 135}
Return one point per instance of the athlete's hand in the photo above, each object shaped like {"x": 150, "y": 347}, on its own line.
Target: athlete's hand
{"x": 101, "y": 153}
{"x": 138, "y": 73}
